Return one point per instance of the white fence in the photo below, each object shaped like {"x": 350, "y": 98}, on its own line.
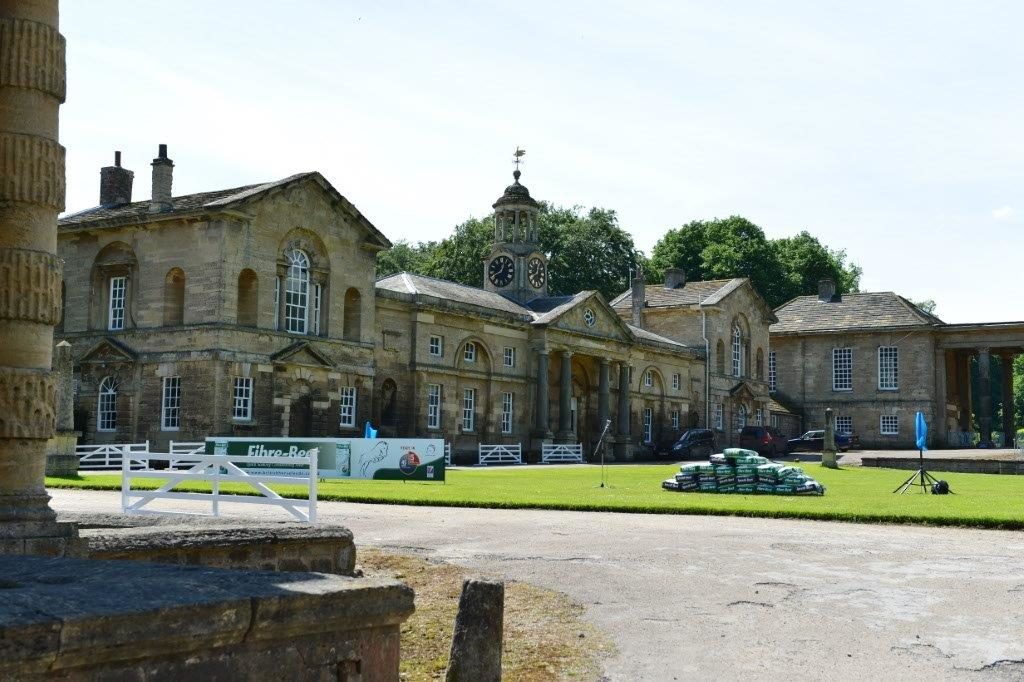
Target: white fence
{"x": 217, "y": 469}
{"x": 500, "y": 454}
{"x": 184, "y": 448}
{"x": 447, "y": 454}
{"x": 565, "y": 453}
{"x": 109, "y": 456}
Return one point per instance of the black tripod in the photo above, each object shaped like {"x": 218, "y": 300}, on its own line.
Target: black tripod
{"x": 919, "y": 479}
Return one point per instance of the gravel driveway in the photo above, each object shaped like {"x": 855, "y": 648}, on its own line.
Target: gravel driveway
{"x": 692, "y": 597}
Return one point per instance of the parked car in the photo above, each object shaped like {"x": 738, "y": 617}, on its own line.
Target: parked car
{"x": 764, "y": 439}
{"x": 814, "y": 441}
{"x": 694, "y": 444}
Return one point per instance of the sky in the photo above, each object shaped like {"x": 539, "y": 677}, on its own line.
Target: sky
{"x": 892, "y": 130}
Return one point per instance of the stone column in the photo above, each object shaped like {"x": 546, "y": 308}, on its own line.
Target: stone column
{"x": 1009, "y": 432}
{"x": 541, "y": 424}
{"x": 623, "y": 444}
{"x": 985, "y": 397}
{"x": 603, "y": 393}
{"x": 565, "y": 398}
{"x": 829, "y": 458}
{"x": 32, "y": 88}
{"x": 963, "y": 382}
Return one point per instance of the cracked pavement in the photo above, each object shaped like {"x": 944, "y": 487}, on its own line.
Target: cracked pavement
{"x": 694, "y": 597}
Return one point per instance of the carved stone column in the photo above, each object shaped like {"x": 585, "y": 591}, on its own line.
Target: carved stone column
{"x": 1009, "y": 432}
{"x": 32, "y": 88}
{"x": 985, "y": 397}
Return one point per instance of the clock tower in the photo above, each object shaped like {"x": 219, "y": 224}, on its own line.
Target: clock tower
{"x": 516, "y": 267}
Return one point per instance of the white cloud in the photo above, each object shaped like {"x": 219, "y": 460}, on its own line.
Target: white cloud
{"x": 1002, "y": 213}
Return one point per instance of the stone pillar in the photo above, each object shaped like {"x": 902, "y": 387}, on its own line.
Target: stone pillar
{"x": 623, "y": 444}
{"x": 829, "y": 457}
{"x": 963, "y": 382}
{"x": 565, "y": 433}
{"x": 61, "y": 459}
{"x": 604, "y": 399}
{"x": 32, "y": 88}
{"x": 541, "y": 424}
{"x": 1009, "y": 432}
{"x": 985, "y": 397}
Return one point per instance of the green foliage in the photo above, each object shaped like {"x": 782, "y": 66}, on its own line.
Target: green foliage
{"x": 1018, "y": 390}
{"x": 853, "y": 494}
{"x": 403, "y": 257}
{"x": 459, "y": 258}
{"x": 928, "y": 305}
{"x": 779, "y": 269}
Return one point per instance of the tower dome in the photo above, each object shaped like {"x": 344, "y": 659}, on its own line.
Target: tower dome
{"x": 515, "y": 194}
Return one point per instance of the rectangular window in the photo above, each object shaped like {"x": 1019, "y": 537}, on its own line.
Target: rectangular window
{"x": 772, "y": 376}
{"x": 296, "y": 302}
{"x": 277, "y": 304}
{"x": 675, "y": 420}
{"x": 436, "y": 347}
{"x": 510, "y": 356}
{"x": 242, "y": 405}
{"x": 719, "y": 417}
{"x": 648, "y": 424}
{"x": 170, "y": 405}
{"x": 115, "y": 318}
{"x": 107, "y": 417}
{"x": 741, "y": 418}
{"x": 318, "y": 293}
{"x": 433, "y": 406}
{"x": 507, "y": 402}
{"x": 347, "y": 413}
{"x": 469, "y": 410}
{"x": 888, "y": 368}
{"x": 759, "y": 416}
{"x": 775, "y": 421}
{"x": 675, "y": 382}
{"x": 842, "y": 369}
{"x": 889, "y": 425}
{"x": 469, "y": 355}
{"x": 844, "y": 424}
{"x": 648, "y": 378}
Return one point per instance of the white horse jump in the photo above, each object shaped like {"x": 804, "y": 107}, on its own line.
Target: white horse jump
{"x": 500, "y": 454}
{"x": 108, "y": 456}
{"x": 562, "y": 453}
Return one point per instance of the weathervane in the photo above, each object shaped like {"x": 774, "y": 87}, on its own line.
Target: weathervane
{"x": 519, "y": 156}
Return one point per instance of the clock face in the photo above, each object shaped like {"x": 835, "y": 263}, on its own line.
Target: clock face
{"x": 536, "y": 273}
{"x": 500, "y": 271}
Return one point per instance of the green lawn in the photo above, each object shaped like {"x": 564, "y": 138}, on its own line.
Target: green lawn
{"x": 853, "y": 494}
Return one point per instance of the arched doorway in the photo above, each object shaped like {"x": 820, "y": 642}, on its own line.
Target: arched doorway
{"x": 300, "y": 415}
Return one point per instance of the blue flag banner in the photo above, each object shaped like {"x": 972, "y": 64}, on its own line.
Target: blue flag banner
{"x": 921, "y": 427}
{"x": 371, "y": 432}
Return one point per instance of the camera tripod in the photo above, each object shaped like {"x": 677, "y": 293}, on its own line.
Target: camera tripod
{"x": 919, "y": 479}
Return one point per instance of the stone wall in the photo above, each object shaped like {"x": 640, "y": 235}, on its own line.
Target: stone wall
{"x": 960, "y": 466}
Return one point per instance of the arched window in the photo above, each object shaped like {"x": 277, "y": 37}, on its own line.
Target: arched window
{"x": 759, "y": 365}
{"x": 720, "y": 357}
{"x": 106, "y": 406}
{"x": 174, "y": 298}
{"x": 353, "y": 315}
{"x": 248, "y": 296}
{"x": 737, "y": 351}
{"x": 296, "y": 292}
{"x": 741, "y": 417}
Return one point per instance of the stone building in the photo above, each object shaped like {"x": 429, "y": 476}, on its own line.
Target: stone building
{"x": 237, "y": 312}
{"x": 253, "y": 311}
{"x": 877, "y": 359}
{"x": 729, "y": 320}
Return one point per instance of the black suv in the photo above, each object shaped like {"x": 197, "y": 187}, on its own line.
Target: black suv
{"x": 694, "y": 444}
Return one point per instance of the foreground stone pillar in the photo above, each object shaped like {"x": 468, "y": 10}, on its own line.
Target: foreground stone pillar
{"x": 623, "y": 446}
{"x": 985, "y": 397}
{"x": 31, "y": 195}
{"x": 565, "y": 398}
{"x": 477, "y": 638}
{"x": 829, "y": 457}
{"x": 1009, "y": 432}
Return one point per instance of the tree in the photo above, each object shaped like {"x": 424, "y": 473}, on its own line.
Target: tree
{"x": 404, "y": 257}
{"x": 459, "y": 258}
{"x": 928, "y": 305}
{"x": 779, "y": 269}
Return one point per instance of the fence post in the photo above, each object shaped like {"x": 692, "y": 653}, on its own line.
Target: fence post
{"x": 314, "y": 476}
{"x": 125, "y": 485}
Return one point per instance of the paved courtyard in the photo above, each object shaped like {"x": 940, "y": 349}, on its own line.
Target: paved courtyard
{"x": 688, "y": 597}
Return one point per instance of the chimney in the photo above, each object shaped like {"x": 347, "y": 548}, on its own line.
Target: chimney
{"x": 826, "y": 290}
{"x": 163, "y": 168}
{"x": 115, "y": 184}
{"x": 674, "y": 278}
{"x": 638, "y": 294}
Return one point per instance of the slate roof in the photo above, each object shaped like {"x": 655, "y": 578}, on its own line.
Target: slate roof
{"x": 138, "y": 212}
{"x": 868, "y": 311}
{"x": 644, "y": 335}
{"x": 777, "y": 405}
{"x": 443, "y": 290}
{"x": 549, "y": 309}
{"x": 691, "y": 293}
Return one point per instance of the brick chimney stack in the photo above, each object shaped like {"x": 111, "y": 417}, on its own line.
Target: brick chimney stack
{"x": 163, "y": 169}
{"x": 638, "y": 298}
{"x": 115, "y": 184}
{"x": 674, "y": 278}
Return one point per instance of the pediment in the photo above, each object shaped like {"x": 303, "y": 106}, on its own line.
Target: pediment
{"x": 302, "y": 353}
{"x": 109, "y": 350}
{"x": 591, "y": 315}
{"x": 742, "y": 390}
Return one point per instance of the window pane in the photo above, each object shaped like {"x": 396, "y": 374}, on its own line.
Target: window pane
{"x": 771, "y": 371}
{"x": 296, "y": 292}
{"x": 433, "y": 406}
{"x": 468, "y": 409}
{"x": 242, "y": 404}
{"x": 171, "y": 403}
{"x": 888, "y": 368}
{"x": 118, "y": 286}
{"x": 506, "y": 412}
{"x": 106, "y": 419}
{"x": 347, "y": 415}
{"x": 842, "y": 369}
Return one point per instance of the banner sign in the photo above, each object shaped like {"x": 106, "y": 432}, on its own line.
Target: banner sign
{"x": 395, "y": 459}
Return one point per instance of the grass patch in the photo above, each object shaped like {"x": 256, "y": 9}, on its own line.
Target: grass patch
{"x": 544, "y": 635}
{"x": 853, "y": 494}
